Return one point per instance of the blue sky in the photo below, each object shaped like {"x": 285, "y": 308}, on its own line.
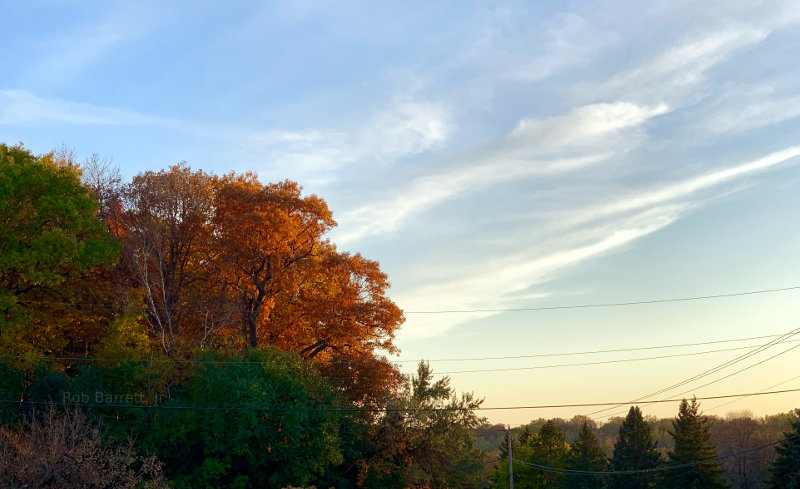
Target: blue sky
{"x": 488, "y": 154}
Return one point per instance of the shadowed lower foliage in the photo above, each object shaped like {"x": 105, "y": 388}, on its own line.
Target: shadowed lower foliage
{"x": 293, "y": 440}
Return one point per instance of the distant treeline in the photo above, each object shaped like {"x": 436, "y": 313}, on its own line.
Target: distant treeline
{"x": 735, "y": 439}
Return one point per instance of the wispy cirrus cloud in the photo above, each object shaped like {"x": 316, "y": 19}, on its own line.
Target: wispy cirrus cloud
{"x": 19, "y": 107}
{"x": 401, "y": 129}
{"x": 738, "y": 112}
{"x": 534, "y": 148}
{"x": 501, "y": 40}
{"x": 24, "y": 107}
{"x": 503, "y": 282}
{"x": 655, "y": 195}
{"x": 674, "y": 75}
{"x": 572, "y": 237}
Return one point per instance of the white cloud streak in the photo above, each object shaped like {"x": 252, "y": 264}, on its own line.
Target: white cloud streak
{"x": 402, "y": 129}
{"x": 677, "y": 190}
{"x": 534, "y": 148}
{"x": 23, "y": 107}
{"x": 674, "y": 75}
{"x": 576, "y": 236}
{"x": 738, "y": 117}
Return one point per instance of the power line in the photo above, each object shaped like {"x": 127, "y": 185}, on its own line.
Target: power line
{"x": 591, "y": 352}
{"x": 367, "y": 409}
{"x": 733, "y": 373}
{"x": 492, "y": 310}
{"x": 610, "y": 304}
{"x": 465, "y": 359}
{"x": 601, "y": 362}
{"x": 715, "y": 369}
{"x": 762, "y": 390}
{"x": 741, "y": 370}
{"x": 655, "y": 469}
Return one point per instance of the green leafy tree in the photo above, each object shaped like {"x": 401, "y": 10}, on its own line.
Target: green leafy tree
{"x": 526, "y": 436}
{"x": 784, "y": 472}
{"x": 282, "y": 427}
{"x": 426, "y": 439}
{"x": 586, "y": 454}
{"x": 692, "y": 434}
{"x": 634, "y": 450}
{"x": 49, "y": 235}
{"x": 548, "y": 448}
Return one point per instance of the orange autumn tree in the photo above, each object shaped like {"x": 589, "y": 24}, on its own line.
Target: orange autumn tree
{"x": 339, "y": 317}
{"x": 263, "y": 235}
{"x": 221, "y": 262}
{"x": 294, "y": 290}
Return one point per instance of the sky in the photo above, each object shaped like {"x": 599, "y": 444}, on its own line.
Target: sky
{"x": 490, "y": 155}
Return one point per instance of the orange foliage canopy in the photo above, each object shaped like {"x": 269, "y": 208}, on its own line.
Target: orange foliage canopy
{"x": 231, "y": 261}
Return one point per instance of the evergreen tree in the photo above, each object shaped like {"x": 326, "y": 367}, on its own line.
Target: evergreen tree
{"x": 526, "y": 436}
{"x": 785, "y": 470}
{"x": 504, "y": 445}
{"x": 550, "y": 448}
{"x": 586, "y": 454}
{"x": 692, "y": 435}
{"x": 634, "y": 450}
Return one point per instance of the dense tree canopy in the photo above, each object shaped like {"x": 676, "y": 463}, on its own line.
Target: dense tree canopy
{"x": 292, "y": 441}
{"x": 50, "y": 238}
{"x": 232, "y": 261}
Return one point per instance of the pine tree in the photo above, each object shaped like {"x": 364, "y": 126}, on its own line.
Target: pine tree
{"x": 586, "y": 454}
{"x": 634, "y": 450}
{"x": 692, "y": 435}
{"x": 504, "y": 445}
{"x": 550, "y": 448}
{"x": 784, "y": 472}
{"x": 526, "y": 436}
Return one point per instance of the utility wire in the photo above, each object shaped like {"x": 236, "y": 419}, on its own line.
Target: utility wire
{"x": 24, "y": 402}
{"x": 715, "y": 369}
{"x": 729, "y": 375}
{"x": 494, "y": 310}
{"x": 655, "y": 469}
{"x": 601, "y": 362}
{"x": 762, "y": 390}
{"x": 610, "y": 304}
{"x": 466, "y": 359}
{"x": 741, "y": 370}
{"x": 591, "y": 352}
